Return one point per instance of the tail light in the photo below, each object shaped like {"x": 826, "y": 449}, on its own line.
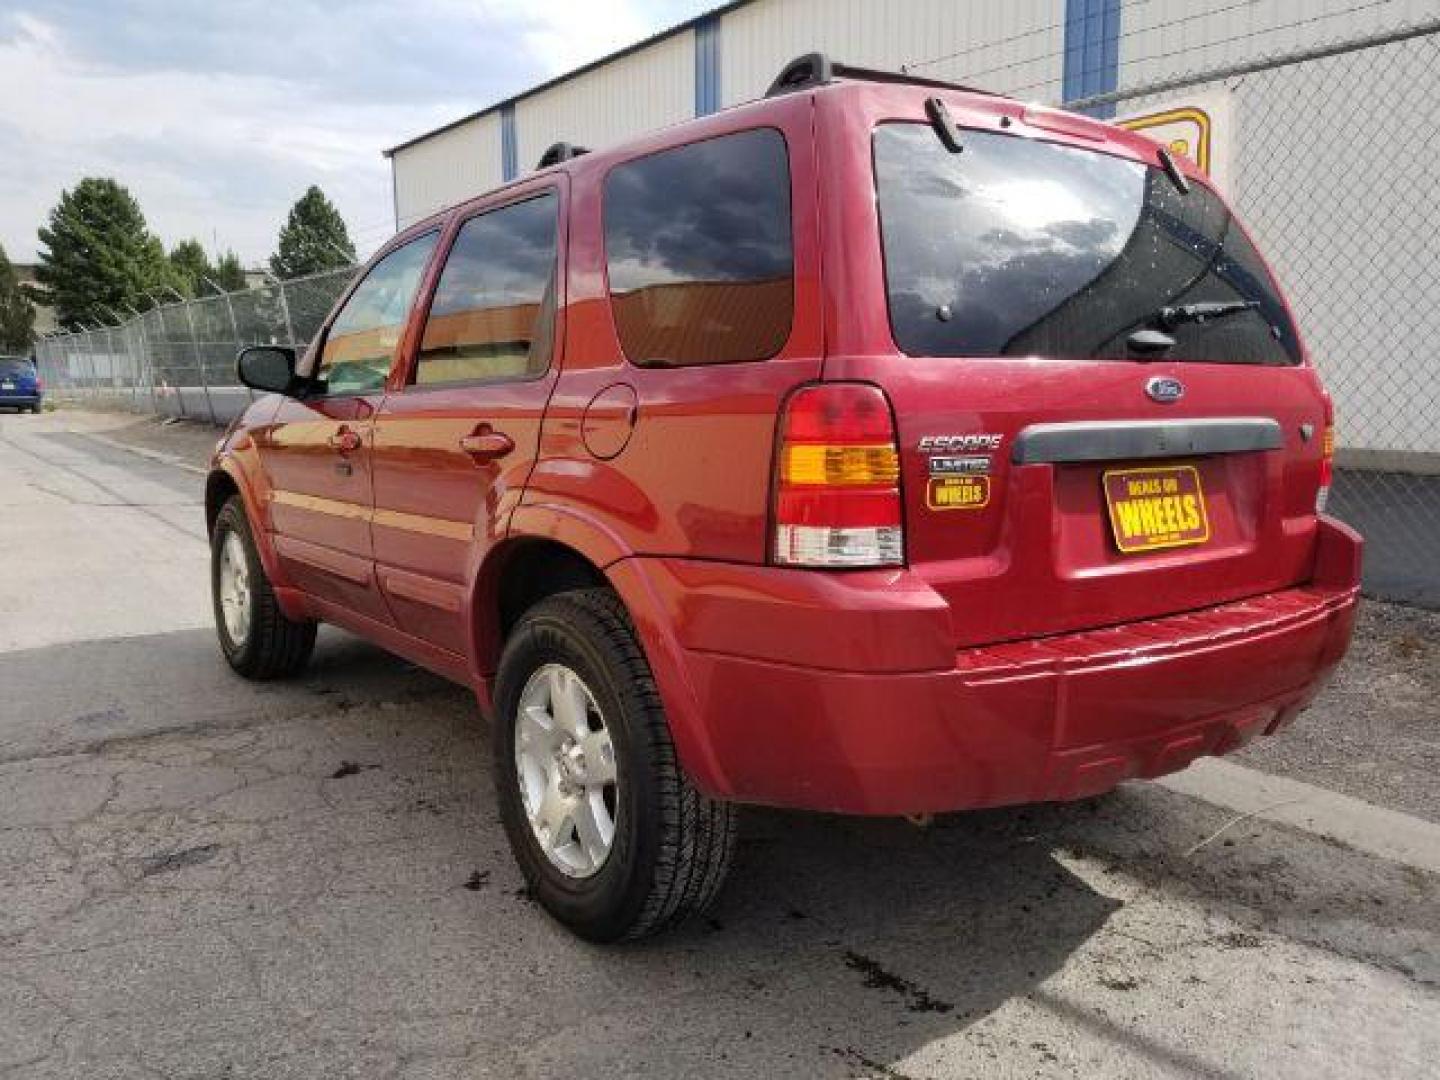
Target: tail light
{"x": 837, "y": 482}
{"x": 1327, "y": 456}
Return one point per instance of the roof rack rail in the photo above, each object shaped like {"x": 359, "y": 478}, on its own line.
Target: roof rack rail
{"x": 817, "y": 69}
{"x": 560, "y": 151}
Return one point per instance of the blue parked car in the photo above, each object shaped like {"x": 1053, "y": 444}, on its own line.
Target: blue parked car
{"x": 20, "y": 386}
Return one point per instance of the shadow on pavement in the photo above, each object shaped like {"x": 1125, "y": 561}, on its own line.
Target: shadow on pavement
{"x": 310, "y": 879}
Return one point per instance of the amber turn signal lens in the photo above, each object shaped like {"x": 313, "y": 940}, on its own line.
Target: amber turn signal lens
{"x": 839, "y": 466}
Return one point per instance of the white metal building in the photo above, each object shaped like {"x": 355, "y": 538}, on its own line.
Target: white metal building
{"x": 1044, "y": 50}
{"x": 1274, "y": 127}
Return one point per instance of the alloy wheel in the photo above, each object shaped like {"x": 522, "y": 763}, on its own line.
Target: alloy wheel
{"x": 566, "y": 765}
{"x": 235, "y": 588}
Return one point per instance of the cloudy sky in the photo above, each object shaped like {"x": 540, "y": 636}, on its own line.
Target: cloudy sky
{"x": 217, "y": 114}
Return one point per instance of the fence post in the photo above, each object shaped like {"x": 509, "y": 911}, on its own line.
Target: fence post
{"x": 109, "y": 354}
{"x": 93, "y": 377}
{"x": 199, "y": 361}
{"x": 284, "y": 309}
{"x": 159, "y": 311}
{"x": 234, "y": 325}
{"x": 143, "y": 368}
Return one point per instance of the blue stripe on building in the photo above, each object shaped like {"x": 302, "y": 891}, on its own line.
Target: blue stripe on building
{"x": 1092, "y": 51}
{"x": 509, "y": 151}
{"x": 707, "y": 66}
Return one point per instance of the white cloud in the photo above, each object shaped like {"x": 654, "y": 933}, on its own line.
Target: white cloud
{"x": 567, "y": 35}
{"x": 218, "y": 127}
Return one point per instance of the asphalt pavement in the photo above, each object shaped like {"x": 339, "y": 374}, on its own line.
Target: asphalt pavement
{"x": 204, "y": 878}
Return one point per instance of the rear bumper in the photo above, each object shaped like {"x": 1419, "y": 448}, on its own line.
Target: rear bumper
{"x": 10, "y": 400}
{"x": 1049, "y": 719}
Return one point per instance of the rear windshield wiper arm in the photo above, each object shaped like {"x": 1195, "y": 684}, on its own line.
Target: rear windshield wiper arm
{"x": 1155, "y": 339}
{"x": 1168, "y": 318}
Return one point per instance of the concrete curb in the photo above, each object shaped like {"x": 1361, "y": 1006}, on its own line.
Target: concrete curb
{"x": 1374, "y": 830}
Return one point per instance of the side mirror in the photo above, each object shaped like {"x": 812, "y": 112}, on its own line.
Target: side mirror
{"x": 270, "y": 368}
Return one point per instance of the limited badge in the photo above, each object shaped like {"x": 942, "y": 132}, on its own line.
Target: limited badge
{"x": 959, "y": 466}
{"x": 958, "y": 492}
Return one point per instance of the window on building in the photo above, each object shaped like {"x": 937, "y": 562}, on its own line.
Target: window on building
{"x": 360, "y": 347}
{"x": 698, "y": 246}
{"x": 494, "y": 306}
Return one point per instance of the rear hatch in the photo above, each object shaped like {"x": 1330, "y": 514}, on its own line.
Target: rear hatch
{"x": 1059, "y": 472}
{"x": 16, "y": 376}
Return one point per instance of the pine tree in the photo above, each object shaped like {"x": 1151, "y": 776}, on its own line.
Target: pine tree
{"x": 192, "y": 266}
{"x": 17, "y": 314}
{"x": 98, "y": 252}
{"x": 229, "y": 274}
{"x": 313, "y": 240}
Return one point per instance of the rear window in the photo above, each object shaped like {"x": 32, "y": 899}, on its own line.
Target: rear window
{"x": 12, "y": 366}
{"x": 1016, "y": 247}
{"x": 697, "y": 244}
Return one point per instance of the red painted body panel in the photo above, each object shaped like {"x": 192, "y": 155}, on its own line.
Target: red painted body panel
{"x": 854, "y": 728}
{"x": 1016, "y": 656}
{"x": 438, "y": 511}
{"x": 719, "y": 420}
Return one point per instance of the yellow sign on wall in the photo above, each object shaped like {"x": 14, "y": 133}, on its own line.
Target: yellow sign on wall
{"x": 1197, "y": 127}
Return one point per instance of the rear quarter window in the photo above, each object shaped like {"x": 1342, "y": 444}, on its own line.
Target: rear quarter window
{"x": 698, "y": 251}
{"x": 1019, "y": 247}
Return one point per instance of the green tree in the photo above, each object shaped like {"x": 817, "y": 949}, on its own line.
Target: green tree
{"x": 192, "y": 267}
{"x": 229, "y": 274}
{"x": 17, "y": 314}
{"x": 313, "y": 240}
{"x": 97, "y": 252}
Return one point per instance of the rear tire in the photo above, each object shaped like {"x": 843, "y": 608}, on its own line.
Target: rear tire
{"x": 258, "y": 641}
{"x": 669, "y": 847}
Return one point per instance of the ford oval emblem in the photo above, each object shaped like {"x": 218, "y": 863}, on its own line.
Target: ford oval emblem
{"x": 1164, "y": 389}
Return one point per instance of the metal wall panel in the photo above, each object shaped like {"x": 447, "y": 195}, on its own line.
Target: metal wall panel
{"x": 636, "y": 93}
{"x": 446, "y": 168}
{"x": 1016, "y": 47}
{"x": 1165, "y": 38}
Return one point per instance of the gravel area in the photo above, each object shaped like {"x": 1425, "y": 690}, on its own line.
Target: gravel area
{"x": 1374, "y": 733}
{"x": 187, "y": 441}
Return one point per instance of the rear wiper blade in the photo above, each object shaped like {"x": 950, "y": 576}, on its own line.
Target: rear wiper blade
{"x": 1168, "y": 318}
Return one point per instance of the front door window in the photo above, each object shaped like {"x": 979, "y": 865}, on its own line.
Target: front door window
{"x": 359, "y": 348}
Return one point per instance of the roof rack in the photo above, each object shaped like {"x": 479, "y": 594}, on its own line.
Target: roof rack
{"x": 560, "y": 151}
{"x": 817, "y": 69}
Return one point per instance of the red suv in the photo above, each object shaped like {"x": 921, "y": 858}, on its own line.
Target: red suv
{"x": 878, "y": 447}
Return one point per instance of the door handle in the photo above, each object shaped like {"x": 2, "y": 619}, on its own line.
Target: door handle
{"x": 486, "y": 444}
{"x": 345, "y": 441}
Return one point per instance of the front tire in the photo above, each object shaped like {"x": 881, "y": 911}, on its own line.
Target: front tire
{"x": 611, "y": 836}
{"x": 258, "y": 641}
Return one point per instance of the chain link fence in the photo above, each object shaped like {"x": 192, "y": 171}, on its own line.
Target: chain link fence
{"x": 179, "y": 359}
{"x": 1332, "y": 156}
{"x": 1331, "y": 151}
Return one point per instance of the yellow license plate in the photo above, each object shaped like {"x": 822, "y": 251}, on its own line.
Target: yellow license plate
{"x": 1156, "y": 508}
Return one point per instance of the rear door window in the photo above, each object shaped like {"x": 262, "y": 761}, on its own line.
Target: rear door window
{"x": 495, "y": 302}
{"x": 698, "y": 249}
{"x": 1017, "y": 247}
